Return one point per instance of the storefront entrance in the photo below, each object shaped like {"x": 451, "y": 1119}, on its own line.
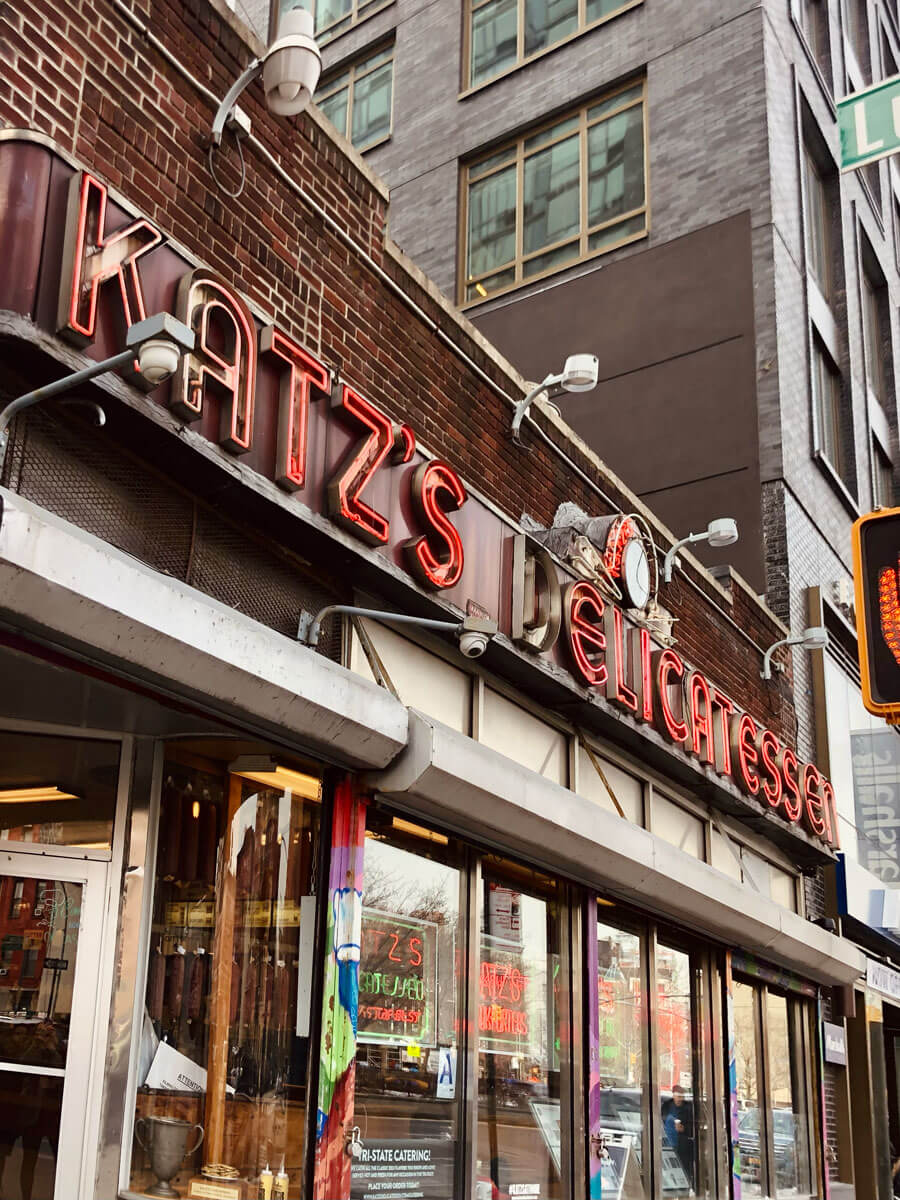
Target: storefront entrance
{"x": 51, "y": 911}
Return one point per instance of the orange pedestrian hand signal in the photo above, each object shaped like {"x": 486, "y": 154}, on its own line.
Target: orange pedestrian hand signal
{"x": 889, "y": 606}
{"x": 876, "y": 569}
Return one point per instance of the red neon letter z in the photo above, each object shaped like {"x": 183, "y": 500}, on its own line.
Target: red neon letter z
{"x": 344, "y": 491}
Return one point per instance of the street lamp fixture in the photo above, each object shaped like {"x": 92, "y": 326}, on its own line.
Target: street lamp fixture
{"x": 157, "y": 342}
{"x": 813, "y": 638}
{"x": 721, "y": 532}
{"x": 474, "y": 633}
{"x": 578, "y": 375}
{"x": 290, "y": 69}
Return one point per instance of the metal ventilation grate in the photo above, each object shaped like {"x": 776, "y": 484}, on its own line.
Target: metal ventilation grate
{"x": 55, "y": 462}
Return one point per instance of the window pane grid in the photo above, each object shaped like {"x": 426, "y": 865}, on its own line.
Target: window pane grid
{"x": 504, "y": 33}
{"x": 334, "y": 16}
{"x": 358, "y": 101}
{"x": 554, "y": 189}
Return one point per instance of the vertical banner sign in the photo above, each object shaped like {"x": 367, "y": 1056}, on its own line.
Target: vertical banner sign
{"x": 876, "y": 573}
{"x": 875, "y": 759}
{"x": 869, "y": 123}
{"x": 340, "y": 999}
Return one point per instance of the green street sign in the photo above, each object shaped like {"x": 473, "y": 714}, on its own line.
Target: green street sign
{"x": 869, "y": 124}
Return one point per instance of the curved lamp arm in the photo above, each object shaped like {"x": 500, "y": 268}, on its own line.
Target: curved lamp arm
{"x": 523, "y": 406}
{"x": 227, "y": 106}
{"x": 672, "y": 555}
{"x": 766, "y": 672}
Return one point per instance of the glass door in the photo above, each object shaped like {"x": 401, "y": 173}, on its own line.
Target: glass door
{"x": 50, "y": 919}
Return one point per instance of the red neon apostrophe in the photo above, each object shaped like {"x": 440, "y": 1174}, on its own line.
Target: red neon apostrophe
{"x": 404, "y": 444}
{"x": 436, "y": 558}
{"x": 668, "y": 662}
{"x": 769, "y": 747}
{"x": 345, "y": 503}
{"x": 700, "y": 706}
{"x": 743, "y": 749}
{"x": 583, "y": 606}
{"x": 98, "y": 257}
{"x": 223, "y": 362}
{"x": 793, "y": 801}
{"x": 889, "y": 608}
{"x": 299, "y": 374}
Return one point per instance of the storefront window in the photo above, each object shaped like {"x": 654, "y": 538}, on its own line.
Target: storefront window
{"x": 746, "y": 1056}
{"x": 57, "y": 791}
{"x": 407, "y": 1098}
{"x": 786, "y": 1107}
{"x": 677, "y": 1093}
{"x": 523, "y": 1034}
{"x": 225, "y": 1045}
{"x": 622, "y": 1062}
{"x": 773, "y": 1064}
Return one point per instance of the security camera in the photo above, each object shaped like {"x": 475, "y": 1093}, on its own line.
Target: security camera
{"x": 474, "y": 635}
{"x": 473, "y": 645}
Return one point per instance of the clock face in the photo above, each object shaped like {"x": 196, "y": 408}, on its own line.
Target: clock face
{"x": 635, "y": 577}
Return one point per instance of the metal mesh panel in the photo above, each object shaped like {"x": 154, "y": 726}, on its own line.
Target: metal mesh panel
{"x": 61, "y": 463}
{"x": 251, "y": 578}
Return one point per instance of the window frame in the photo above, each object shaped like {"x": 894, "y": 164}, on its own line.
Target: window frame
{"x": 836, "y": 467}
{"x": 804, "y": 1073}
{"x": 467, "y": 87}
{"x": 818, "y": 215}
{"x": 359, "y": 11}
{"x": 353, "y": 71}
{"x": 518, "y": 155}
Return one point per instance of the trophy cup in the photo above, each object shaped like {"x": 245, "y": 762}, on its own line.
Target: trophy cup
{"x": 166, "y": 1147}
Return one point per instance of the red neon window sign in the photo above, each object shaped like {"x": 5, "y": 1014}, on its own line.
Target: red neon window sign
{"x": 437, "y": 557}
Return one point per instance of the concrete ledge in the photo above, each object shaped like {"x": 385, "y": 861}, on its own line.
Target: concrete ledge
{"x": 449, "y": 777}
{"x": 59, "y": 578}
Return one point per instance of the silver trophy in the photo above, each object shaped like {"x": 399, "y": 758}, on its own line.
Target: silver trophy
{"x": 166, "y": 1147}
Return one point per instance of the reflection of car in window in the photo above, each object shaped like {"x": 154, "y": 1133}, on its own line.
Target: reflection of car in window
{"x": 784, "y": 1134}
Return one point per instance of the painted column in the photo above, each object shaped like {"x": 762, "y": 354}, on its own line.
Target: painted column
{"x": 732, "y": 1080}
{"x": 595, "y": 1161}
{"x": 340, "y": 999}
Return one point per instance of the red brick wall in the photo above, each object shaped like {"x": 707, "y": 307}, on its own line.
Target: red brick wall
{"x": 78, "y": 71}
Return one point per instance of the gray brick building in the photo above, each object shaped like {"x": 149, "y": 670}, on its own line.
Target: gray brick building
{"x": 740, "y": 294}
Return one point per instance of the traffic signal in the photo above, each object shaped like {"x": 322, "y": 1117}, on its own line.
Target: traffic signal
{"x": 876, "y": 570}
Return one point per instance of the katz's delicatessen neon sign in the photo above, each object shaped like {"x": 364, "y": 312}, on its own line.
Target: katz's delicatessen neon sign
{"x": 258, "y": 393}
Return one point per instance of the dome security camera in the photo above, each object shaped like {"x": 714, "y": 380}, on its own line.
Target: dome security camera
{"x": 474, "y": 635}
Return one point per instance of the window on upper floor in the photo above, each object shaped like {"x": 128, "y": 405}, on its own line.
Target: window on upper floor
{"x": 832, "y": 426}
{"x": 882, "y": 477}
{"x": 357, "y": 100}
{"x": 812, "y": 16}
{"x": 503, "y": 33}
{"x": 876, "y": 331}
{"x": 818, "y": 221}
{"x": 856, "y": 27}
{"x": 331, "y": 16}
{"x": 574, "y": 188}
